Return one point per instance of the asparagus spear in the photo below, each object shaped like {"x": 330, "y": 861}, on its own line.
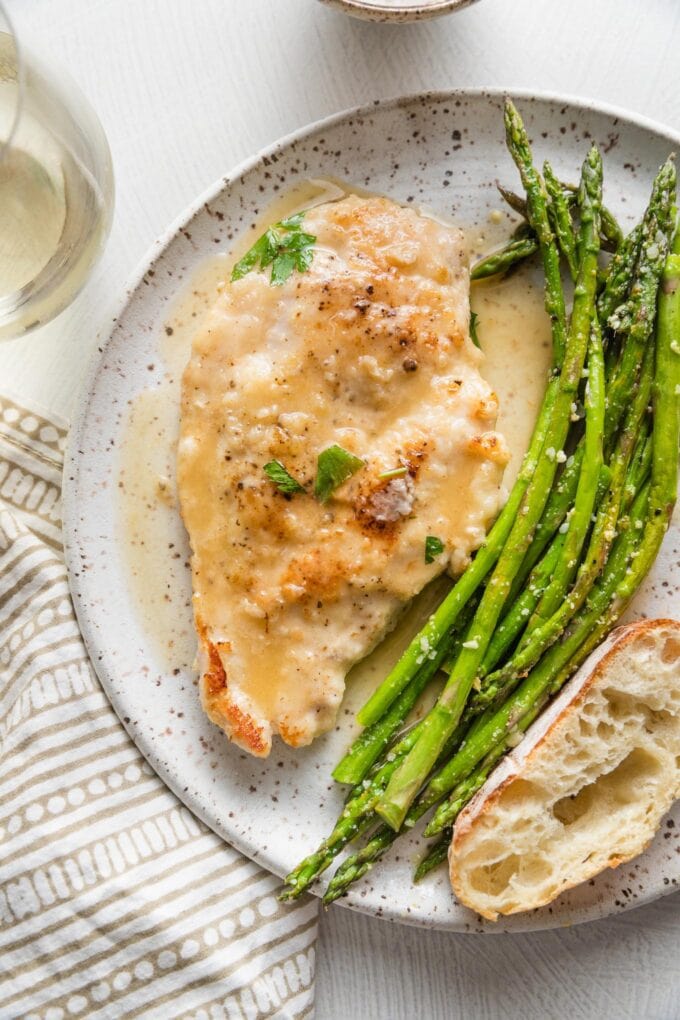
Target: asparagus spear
{"x": 578, "y": 523}
{"x": 640, "y": 466}
{"x": 372, "y": 740}
{"x": 500, "y": 261}
{"x": 559, "y": 503}
{"x": 447, "y": 812}
{"x": 560, "y": 217}
{"x": 621, "y": 267}
{"x": 656, "y": 229}
{"x": 434, "y": 856}
{"x": 442, "y": 719}
{"x": 666, "y": 433}
{"x": 537, "y": 216}
{"x": 549, "y": 579}
{"x": 356, "y": 816}
{"x": 521, "y": 608}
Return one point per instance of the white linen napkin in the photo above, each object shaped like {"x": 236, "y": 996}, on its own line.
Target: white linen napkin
{"x": 114, "y": 900}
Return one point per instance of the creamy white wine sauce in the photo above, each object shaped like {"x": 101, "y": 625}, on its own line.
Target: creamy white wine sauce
{"x": 514, "y": 333}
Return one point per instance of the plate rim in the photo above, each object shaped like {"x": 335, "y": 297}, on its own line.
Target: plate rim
{"x": 70, "y": 524}
{"x": 378, "y": 11}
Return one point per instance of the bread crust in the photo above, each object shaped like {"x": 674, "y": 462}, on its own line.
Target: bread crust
{"x": 515, "y": 765}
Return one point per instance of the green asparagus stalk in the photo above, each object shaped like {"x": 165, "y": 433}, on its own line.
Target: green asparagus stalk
{"x": 619, "y": 276}
{"x": 560, "y": 218}
{"x": 537, "y": 216}
{"x": 356, "y": 866}
{"x": 559, "y": 503}
{"x": 640, "y": 467}
{"x": 434, "y": 856}
{"x": 578, "y": 523}
{"x": 504, "y": 258}
{"x": 666, "y": 410}
{"x": 612, "y": 235}
{"x": 553, "y": 573}
{"x": 521, "y": 608}
{"x": 447, "y": 813}
{"x": 655, "y": 234}
{"x": 442, "y": 719}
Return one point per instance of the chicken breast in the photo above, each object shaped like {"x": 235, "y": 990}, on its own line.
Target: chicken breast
{"x": 368, "y": 349}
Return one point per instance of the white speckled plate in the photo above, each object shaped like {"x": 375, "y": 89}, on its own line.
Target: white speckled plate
{"x": 445, "y": 151}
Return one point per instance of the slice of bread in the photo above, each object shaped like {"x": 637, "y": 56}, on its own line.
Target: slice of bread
{"x": 588, "y": 785}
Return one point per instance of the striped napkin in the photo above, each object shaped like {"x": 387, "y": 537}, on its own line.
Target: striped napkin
{"x": 114, "y": 900}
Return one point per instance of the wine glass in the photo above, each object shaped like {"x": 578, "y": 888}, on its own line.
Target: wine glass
{"x": 56, "y": 188}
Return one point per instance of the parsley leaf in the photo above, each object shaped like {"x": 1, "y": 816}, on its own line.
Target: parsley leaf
{"x": 474, "y": 318}
{"x": 433, "y": 547}
{"x": 284, "y": 247}
{"x": 334, "y": 466}
{"x": 281, "y": 478}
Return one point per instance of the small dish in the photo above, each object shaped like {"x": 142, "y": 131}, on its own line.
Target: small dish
{"x": 397, "y": 10}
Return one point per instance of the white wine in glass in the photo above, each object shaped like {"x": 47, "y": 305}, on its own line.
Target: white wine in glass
{"x": 56, "y": 189}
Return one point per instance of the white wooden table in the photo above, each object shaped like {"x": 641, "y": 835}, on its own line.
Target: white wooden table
{"x": 185, "y": 90}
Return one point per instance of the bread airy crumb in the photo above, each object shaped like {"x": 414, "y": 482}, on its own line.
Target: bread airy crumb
{"x": 587, "y": 787}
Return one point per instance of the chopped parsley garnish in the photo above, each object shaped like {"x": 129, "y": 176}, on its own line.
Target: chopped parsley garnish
{"x": 433, "y": 547}
{"x": 334, "y": 467}
{"x": 283, "y": 246}
{"x": 474, "y": 319}
{"x": 282, "y": 479}
{"x": 394, "y": 473}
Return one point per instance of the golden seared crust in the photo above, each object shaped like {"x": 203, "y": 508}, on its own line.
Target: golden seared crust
{"x": 219, "y": 707}
{"x": 489, "y": 445}
{"x": 368, "y": 349}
